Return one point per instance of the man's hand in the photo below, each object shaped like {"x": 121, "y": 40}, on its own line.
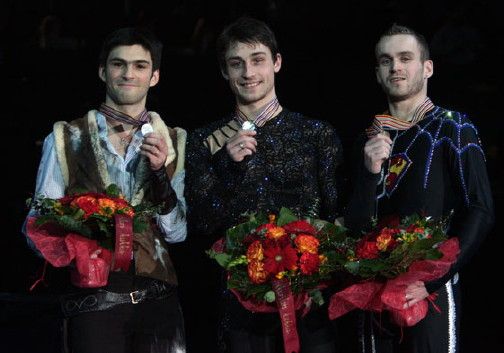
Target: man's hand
{"x": 376, "y": 150}
{"x": 415, "y": 292}
{"x": 154, "y": 147}
{"x": 241, "y": 144}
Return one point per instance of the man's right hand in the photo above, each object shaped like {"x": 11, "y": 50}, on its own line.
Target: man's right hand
{"x": 241, "y": 144}
{"x": 376, "y": 150}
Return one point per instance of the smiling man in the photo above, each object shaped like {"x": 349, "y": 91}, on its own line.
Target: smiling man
{"x": 259, "y": 158}
{"x": 419, "y": 158}
{"x": 138, "y": 310}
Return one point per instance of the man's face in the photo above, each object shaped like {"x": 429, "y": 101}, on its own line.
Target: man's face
{"x": 251, "y": 70}
{"x": 128, "y": 75}
{"x": 400, "y": 70}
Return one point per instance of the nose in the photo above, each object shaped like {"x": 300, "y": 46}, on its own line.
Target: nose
{"x": 395, "y": 65}
{"x": 128, "y": 71}
{"x": 248, "y": 70}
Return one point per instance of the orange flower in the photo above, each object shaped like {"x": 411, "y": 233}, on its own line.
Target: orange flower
{"x": 384, "y": 240}
{"x": 107, "y": 207}
{"x": 256, "y": 272}
{"x": 275, "y": 233}
{"x": 255, "y": 251}
{"x": 307, "y": 243}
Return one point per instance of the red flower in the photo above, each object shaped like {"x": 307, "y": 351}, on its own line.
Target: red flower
{"x": 88, "y": 204}
{"x": 300, "y": 227}
{"x": 278, "y": 259}
{"x": 367, "y": 250}
{"x": 309, "y": 263}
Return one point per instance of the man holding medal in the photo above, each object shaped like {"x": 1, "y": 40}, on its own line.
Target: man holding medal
{"x": 419, "y": 158}
{"x": 122, "y": 143}
{"x": 260, "y": 158}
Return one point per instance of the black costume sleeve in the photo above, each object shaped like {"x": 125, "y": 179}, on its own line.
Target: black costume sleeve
{"x": 361, "y": 206}
{"x": 475, "y": 215}
{"x": 207, "y": 196}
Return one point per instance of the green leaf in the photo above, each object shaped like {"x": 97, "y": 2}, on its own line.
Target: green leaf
{"x": 286, "y": 216}
{"x": 270, "y": 296}
{"x": 113, "y": 190}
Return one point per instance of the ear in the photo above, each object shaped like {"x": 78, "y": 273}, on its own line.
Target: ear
{"x": 154, "y": 78}
{"x": 428, "y": 69}
{"x": 278, "y": 63}
{"x": 101, "y": 73}
{"x": 224, "y": 74}
{"x": 378, "y": 79}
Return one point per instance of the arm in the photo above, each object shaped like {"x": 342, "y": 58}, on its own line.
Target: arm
{"x": 474, "y": 215}
{"x": 211, "y": 180}
{"x": 368, "y": 156}
{"x": 330, "y": 157}
{"x": 49, "y": 181}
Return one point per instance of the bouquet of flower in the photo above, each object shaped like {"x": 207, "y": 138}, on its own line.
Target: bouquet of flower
{"x": 94, "y": 229}
{"x": 396, "y": 253}
{"x": 279, "y": 263}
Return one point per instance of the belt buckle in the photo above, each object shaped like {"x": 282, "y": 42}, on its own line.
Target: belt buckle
{"x": 133, "y": 299}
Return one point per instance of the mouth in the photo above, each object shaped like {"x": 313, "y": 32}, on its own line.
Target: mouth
{"x": 396, "y": 79}
{"x": 249, "y": 84}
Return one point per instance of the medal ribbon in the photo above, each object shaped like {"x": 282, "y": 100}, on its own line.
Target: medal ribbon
{"x": 383, "y": 122}
{"x": 267, "y": 113}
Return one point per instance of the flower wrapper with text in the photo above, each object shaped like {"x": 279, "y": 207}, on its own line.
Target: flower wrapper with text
{"x": 91, "y": 232}
{"x": 279, "y": 263}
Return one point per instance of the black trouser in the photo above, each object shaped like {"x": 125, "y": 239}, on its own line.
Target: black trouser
{"x": 150, "y": 326}
{"x": 436, "y": 333}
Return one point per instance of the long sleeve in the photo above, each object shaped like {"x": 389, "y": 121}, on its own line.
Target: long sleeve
{"x": 361, "y": 206}
{"x": 174, "y": 224}
{"x": 208, "y": 191}
{"x": 474, "y": 216}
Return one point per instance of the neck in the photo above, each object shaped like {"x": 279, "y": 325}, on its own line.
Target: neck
{"x": 405, "y": 109}
{"x": 132, "y": 110}
{"x": 253, "y": 109}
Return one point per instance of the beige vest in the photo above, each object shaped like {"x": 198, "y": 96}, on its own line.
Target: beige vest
{"x": 83, "y": 166}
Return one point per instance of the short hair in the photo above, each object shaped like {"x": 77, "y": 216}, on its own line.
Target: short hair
{"x": 132, "y": 36}
{"x": 245, "y": 30}
{"x": 397, "y": 29}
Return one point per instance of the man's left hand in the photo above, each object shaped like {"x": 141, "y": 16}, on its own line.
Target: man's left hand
{"x": 415, "y": 292}
{"x": 154, "y": 147}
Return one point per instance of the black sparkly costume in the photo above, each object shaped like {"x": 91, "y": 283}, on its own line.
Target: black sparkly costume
{"x": 439, "y": 167}
{"x": 295, "y": 166}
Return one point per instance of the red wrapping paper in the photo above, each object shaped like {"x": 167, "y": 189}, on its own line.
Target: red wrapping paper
{"x": 390, "y": 295}
{"x": 92, "y": 262}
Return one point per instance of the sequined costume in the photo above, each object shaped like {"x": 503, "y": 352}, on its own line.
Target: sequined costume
{"x": 295, "y": 166}
{"x": 436, "y": 166}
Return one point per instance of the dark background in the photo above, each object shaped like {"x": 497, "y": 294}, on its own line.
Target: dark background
{"x": 48, "y": 62}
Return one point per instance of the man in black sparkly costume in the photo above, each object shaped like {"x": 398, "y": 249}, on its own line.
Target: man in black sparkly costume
{"x": 419, "y": 158}
{"x": 259, "y": 158}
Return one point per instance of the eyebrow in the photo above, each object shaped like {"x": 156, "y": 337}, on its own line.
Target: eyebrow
{"x": 139, "y": 61}
{"x": 258, "y": 53}
{"x": 406, "y": 52}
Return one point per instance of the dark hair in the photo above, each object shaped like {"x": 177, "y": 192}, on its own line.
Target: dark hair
{"x": 245, "y": 30}
{"x": 132, "y": 36}
{"x": 397, "y": 29}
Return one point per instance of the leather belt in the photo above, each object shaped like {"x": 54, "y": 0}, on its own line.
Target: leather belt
{"x": 101, "y": 299}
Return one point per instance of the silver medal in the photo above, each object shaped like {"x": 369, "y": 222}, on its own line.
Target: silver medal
{"x": 146, "y": 129}
{"x": 247, "y": 125}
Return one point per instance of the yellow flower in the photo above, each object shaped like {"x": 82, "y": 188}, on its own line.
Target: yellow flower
{"x": 256, "y": 272}
{"x": 281, "y": 275}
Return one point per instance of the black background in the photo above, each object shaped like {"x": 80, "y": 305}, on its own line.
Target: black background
{"x": 327, "y": 73}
